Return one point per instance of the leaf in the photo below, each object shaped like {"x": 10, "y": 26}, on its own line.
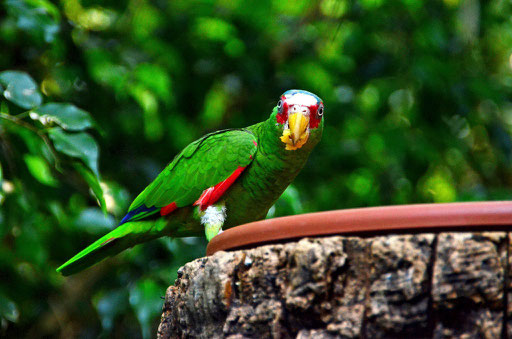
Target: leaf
{"x": 145, "y": 301}
{"x": 94, "y": 183}
{"x": 40, "y": 170}
{"x": 67, "y": 116}
{"x": 34, "y": 143}
{"x": 39, "y": 18}
{"x": 77, "y": 145}
{"x": 109, "y": 304}
{"x": 20, "y": 89}
{"x": 8, "y": 309}
{"x": 82, "y": 146}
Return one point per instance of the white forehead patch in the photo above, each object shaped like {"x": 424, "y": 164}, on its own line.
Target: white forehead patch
{"x": 301, "y": 99}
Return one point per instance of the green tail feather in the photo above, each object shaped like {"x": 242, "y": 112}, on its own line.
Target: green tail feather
{"x": 124, "y": 236}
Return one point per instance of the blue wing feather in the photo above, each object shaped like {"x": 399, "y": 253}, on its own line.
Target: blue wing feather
{"x": 138, "y": 210}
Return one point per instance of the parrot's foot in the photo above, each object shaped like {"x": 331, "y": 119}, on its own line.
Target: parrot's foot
{"x": 213, "y": 219}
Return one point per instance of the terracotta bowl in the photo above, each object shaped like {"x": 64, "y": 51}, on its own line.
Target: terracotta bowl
{"x": 421, "y": 218}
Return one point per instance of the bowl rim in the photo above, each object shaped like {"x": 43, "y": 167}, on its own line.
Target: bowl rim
{"x": 369, "y": 221}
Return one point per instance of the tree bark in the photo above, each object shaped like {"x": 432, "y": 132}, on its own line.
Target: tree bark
{"x": 443, "y": 285}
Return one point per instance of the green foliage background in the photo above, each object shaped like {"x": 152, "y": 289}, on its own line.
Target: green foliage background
{"x": 97, "y": 96}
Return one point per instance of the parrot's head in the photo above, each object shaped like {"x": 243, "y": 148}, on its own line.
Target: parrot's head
{"x": 300, "y": 113}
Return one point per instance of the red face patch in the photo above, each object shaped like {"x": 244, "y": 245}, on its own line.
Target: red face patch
{"x": 282, "y": 110}
{"x": 316, "y": 112}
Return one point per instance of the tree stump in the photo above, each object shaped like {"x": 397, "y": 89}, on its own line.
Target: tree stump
{"x": 424, "y": 285}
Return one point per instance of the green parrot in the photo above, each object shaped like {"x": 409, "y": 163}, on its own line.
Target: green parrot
{"x": 224, "y": 179}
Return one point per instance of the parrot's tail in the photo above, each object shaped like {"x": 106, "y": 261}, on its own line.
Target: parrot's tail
{"x": 124, "y": 236}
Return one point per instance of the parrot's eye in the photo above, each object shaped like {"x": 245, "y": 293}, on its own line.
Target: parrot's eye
{"x": 280, "y": 106}
{"x": 320, "y": 110}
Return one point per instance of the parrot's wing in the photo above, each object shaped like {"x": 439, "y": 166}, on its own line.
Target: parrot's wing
{"x": 199, "y": 175}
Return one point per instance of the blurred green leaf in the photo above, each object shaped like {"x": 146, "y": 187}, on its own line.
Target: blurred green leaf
{"x": 214, "y": 29}
{"x": 39, "y": 18}
{"x": 8, "y": 309}
{"x": 401, "y": 100}
{"x": 77, "y": 145}
{"x": 146, "y": 302}
{"x": 40, "y": 170}
{"x": 215, "y": 104}
{"x": 437, "y": 185}
{"x": 361, "y": 182}
{"x": 149, "y": 103}
{"x": 369, "y": 99}
{"x": 155, "y": 79}
{"x": 104, "y": 70}
{"x": 67, "y": 116}
{"x": 146, "y": 20}
{"x": 20, "y": 89}
{"x": 93, "y": 181}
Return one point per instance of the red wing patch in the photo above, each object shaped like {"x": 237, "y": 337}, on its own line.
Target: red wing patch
{"x": 168, "y": 209}
{"x": 212, "y": 194}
